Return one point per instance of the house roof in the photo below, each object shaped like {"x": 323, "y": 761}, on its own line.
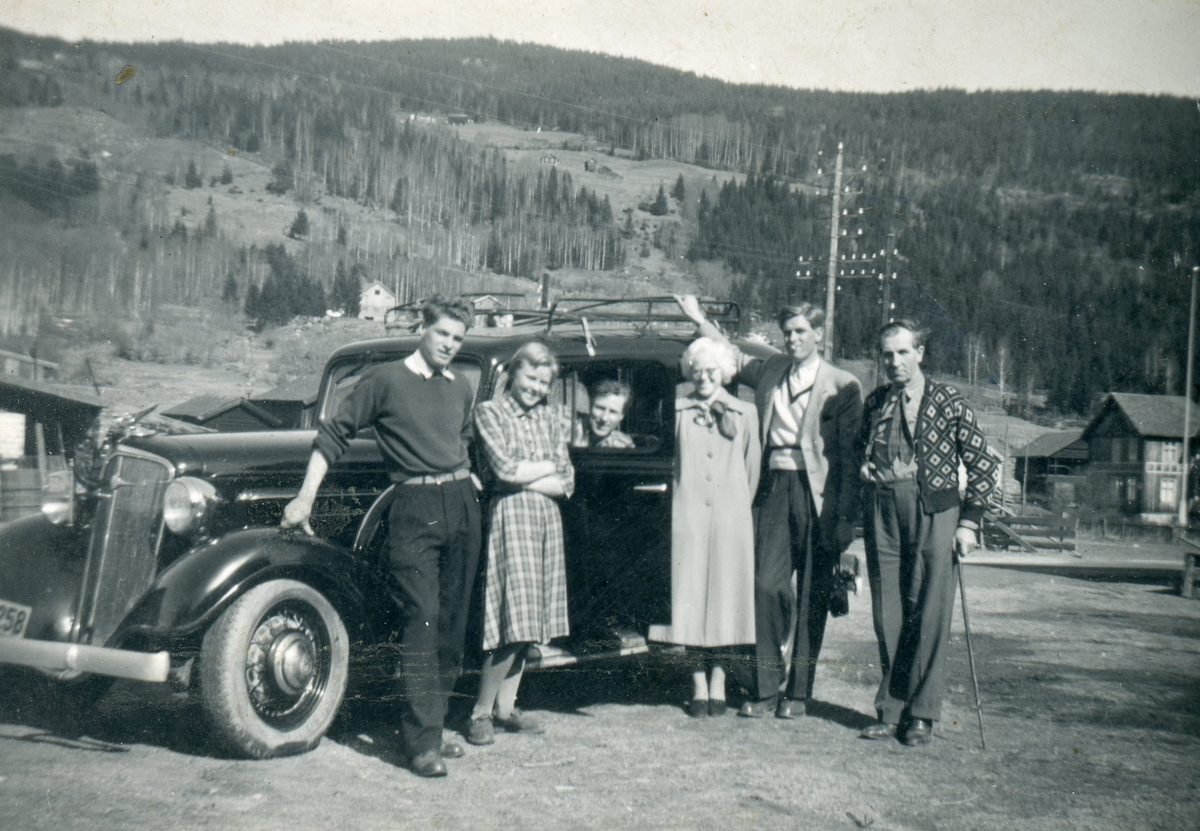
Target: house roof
{"x": 1159, "y": 416}
{"x": 206, "y": 407}
{"x": 1049, "y": 444}
{"x": 18, "y": 387}
{"x": 304, "y": 389}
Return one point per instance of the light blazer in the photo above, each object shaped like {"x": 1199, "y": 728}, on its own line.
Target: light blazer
{"x": 828, "y": 435}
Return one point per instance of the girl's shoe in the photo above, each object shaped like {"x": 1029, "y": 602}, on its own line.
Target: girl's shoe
{"x": 716, "y": 707}
{"x": 521, "y": 722}
{"x": 481, "y": 731}
{"x": 698, "y": 708}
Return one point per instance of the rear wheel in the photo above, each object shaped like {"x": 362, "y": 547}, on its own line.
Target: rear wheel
{"x": 273, "y": 670}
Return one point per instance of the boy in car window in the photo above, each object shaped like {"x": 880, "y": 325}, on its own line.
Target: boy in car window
{"x": 601, "y": 427}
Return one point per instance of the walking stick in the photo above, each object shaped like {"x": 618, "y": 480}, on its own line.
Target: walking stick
{"x": 962, "y": 590}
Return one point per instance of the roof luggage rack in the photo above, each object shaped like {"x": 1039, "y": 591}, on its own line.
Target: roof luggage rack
{"x": 644, "y": 312}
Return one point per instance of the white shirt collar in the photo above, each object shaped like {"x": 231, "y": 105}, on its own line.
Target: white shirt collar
{"x": 417, "y": 363}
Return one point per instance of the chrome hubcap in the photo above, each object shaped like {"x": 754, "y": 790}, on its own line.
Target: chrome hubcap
{"x": 287, "y": 664}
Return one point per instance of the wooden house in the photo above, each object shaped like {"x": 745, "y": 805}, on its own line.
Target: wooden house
{"x": 549, "y": 158}
{"x": 1052, "y": 466}
{"x": 226, "y": 415}
{"x": 375, "y": 301}
{"x": 1135, "y": 450}
{"x": 293, "y": 403}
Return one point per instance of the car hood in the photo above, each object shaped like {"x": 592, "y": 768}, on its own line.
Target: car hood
{"x": 233, "y": 454}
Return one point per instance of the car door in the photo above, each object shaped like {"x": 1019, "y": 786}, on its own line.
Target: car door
{"x": 618, "y": 523}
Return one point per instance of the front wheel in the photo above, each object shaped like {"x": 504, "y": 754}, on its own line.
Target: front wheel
{"x": 273, "y": 670}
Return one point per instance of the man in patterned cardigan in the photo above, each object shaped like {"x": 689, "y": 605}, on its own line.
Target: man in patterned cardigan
{"x": 915, "y": 432}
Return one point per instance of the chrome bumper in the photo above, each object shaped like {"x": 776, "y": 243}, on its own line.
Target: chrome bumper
{"x": 73, "y": 657}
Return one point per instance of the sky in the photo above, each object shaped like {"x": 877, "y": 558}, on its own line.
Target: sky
{"x": 1141, "y": 46}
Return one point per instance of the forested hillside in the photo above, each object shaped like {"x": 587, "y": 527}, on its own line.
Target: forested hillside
{"x": 1046, "y": 235}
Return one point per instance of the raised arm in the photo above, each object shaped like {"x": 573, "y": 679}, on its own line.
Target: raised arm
{"x": 690, "y": 306}
{"x": 748, "y": 371}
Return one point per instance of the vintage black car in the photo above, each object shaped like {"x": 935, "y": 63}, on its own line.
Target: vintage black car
{"x": 171, "y": 565}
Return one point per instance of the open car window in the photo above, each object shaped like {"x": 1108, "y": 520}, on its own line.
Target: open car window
{"x": 649, "y": 416}
{"x": 346, "y": 376}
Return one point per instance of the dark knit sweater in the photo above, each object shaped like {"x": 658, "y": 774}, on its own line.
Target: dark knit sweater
{"x": 946, "y": 433}
{"x": 422, "y": 425}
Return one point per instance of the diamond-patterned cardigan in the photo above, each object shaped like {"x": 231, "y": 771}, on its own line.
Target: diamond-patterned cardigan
{"x": 946, "y": 433}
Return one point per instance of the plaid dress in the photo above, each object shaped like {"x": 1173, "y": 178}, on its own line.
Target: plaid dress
{"x": 526, "y": 595}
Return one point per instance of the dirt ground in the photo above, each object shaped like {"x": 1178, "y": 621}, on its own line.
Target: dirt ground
{"x": 1091, "y": 696}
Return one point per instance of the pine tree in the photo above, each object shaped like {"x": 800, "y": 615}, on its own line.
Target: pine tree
{"x": 192, "y": 179}
{"x": 678, "y": 192}
{"x": 226, "y": 175}
{"x": 229, "y": 292}
{"x": 659, "y": 206}
{"x": 347, "y": 290}
{"x": 281, "y": 178}
{"x": 299, "y": 227}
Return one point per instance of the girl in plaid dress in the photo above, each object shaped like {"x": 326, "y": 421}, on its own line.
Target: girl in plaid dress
{"x": 526, "y": 596}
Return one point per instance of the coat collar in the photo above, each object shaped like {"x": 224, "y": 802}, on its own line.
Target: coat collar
{"x": 735, "y": 404}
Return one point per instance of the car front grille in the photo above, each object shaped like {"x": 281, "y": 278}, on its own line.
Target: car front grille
{"x": 126, "y": 532}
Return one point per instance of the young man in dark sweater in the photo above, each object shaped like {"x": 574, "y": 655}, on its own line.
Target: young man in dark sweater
{"x": 915, "y": 432}
{"x": 421, "y": 413}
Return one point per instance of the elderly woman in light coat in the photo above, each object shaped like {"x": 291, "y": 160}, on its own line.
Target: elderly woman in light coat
{"x": 717, "y": 460}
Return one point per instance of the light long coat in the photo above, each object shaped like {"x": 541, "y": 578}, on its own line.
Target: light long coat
{"x": 712, "y": 529}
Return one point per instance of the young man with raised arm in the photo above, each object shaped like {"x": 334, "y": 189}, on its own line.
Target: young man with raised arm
{"x": 809, "y": 413}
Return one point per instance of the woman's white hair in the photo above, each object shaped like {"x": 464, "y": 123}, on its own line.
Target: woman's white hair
{"x": 709, "y": 348}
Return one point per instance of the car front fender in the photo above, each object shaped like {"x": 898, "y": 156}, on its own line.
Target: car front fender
{"x": 41, "y": 566}
{"x": 189, "y": 594}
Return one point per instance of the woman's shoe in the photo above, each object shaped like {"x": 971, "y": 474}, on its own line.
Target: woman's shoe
{"x": 698, "y": 708}
{"x": 717, "y": 707}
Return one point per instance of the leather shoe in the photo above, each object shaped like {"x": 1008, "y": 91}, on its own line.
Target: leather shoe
{"x": 758, "y": 709}
{"x": 918, "y": 732}
{"x": 717, "y": 707}
{"x": 790, "y": 708}
{"x": 698, "y": 708}
{"x": 452, "y": 750}
{"x": 878, "y": 730}
{"x": 428, "y": 764}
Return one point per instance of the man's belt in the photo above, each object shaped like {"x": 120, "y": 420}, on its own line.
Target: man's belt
{"x": 796, "y": 458}
{"x": 437, "y": 478}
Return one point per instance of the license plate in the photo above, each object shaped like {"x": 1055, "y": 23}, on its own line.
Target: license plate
{"x": 13, "y": 619}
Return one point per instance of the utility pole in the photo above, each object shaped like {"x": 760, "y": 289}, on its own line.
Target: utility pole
{"x": 831, "y": 286}
{"x": 1187, "y": 407}
{"x": 885, "y": 301}
{"x": 885, "y": 311}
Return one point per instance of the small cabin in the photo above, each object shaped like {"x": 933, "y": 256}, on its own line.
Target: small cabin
{"x": 1051, "y": 467}
{"x": 223, "y": 414}
{"x": 375, "y": 301}
{"x": 293, "y": 403}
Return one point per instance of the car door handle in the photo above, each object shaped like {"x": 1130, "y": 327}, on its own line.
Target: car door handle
{"x": 661, "y": 487}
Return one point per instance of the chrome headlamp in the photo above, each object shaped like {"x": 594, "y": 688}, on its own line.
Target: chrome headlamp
{"x": 186, "y": 502}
